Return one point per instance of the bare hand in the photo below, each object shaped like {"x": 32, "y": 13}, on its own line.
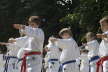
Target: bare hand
{"x": 18, "y": 26}
{"x": 101, "y": 35}
{"x": 11, "y": 40}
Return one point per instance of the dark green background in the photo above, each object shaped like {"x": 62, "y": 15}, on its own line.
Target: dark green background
{"x": 81, "y": 15}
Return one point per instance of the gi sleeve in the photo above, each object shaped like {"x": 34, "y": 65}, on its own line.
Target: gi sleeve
{"x": 62, "y": 43}
{"x": 34, "y": 32}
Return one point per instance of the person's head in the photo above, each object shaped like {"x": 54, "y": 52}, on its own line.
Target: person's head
{"x": 104, "y": 24}
{"x": 34, "y": 21}
{"x": 90, "y": 36}
{"x": 65, "y": 33}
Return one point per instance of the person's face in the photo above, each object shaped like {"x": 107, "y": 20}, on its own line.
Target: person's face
{"x": 34, "y": 25}
{"x": 104, "y": 26}
{"x": 65, "y": 36}
{"x": 88, "y": 38}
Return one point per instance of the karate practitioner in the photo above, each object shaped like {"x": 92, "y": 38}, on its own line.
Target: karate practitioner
{"x": 70, "y": 51}
{"x": 11, "y": 56}
{"x": 46, "y": 65}
{"x": 3, "y": 51}
{"x": 102, "y": 64}
{"x": 32, "y": 58}
{"x": 93, "y": 47}
{"x": 21, "y": 43}
{"x": 53, "y": 57}
{"x": 2, "y": 62}
{"x": 84, "y": 66}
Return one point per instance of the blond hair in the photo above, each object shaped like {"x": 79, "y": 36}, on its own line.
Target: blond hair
{"x": 35, "y": 19}
{"x": 65, "y": 30}
{"x": 104, "y": 19}
{"x": 91, "y": 35}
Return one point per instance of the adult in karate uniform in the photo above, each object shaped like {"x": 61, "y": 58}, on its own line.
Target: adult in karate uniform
{"x": 32, "y": 60}
{"x": 70, "y": 51}
{"x": 93, "y": 47}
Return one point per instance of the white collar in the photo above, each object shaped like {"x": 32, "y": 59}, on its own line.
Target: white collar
{"x": 105, "y": 32}
{"x": 91, "y": 41}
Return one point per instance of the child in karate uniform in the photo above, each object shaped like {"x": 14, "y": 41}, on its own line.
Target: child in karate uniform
{"x": 84, "y": 66}
{"x": 102, "y": 64}
{"x": 3, "y": 51}
{"x": 32, "y": 58}
{"x": 11, "y": 56}
{"x": 93, "y": 47}
{"x": 53, "y": 56}
{"x": 70, "y": 51}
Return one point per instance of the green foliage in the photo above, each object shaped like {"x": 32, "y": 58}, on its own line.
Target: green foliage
{"x": 85, "y": 17}
{"x": 81, "y": 15}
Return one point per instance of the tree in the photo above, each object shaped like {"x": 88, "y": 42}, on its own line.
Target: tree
{"x": 81, "y": 15}
{"x": 85, "y": 17}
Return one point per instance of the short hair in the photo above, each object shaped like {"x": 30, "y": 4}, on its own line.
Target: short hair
{"x": 35, "y": 19}
{"x": 91, "y": 35}
{"x": 104, "y": 19}
{"x": 65, "y": 30}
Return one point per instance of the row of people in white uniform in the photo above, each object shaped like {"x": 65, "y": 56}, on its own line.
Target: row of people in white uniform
{"x": 90, "y": 58}
{"x": 95, "y": 60}
{"x": 25, "y": 53}
{"x": 69, "y": 58}
{"x": 29, "y": 48}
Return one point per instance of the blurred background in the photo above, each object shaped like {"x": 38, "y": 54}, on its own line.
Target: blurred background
{"x": 81, "y": 15}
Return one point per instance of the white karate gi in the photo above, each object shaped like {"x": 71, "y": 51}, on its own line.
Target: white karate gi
{"x": 53, "y": 56}
{"x": 21, "y": 43}
{"x": 13, "y": 50}
{"x": 46, "y": 63}
{"x": 2, "y": 62}
{"x": 70, "y": 52}
{"x": 93, "y": 47}
{"x": 103, "y": 51}
{"x": 84, "y": 67}
{"x": 34, "y": 43}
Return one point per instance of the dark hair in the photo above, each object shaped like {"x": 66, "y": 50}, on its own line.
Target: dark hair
{"x": 104, "y": 19}
{"x": 65, "y": 30}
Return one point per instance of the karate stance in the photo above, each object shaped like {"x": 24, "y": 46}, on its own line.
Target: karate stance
{"x": 84, "y": 66}
{"x": 93, "y": 47}
{"x": 70, "y": 51}
{"x": 32, "y": 58}
{"x": 53, "y": 57}
{"x": 102, "y": 64}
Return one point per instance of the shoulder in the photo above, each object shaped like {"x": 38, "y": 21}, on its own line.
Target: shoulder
{"x": 39, "y": 30}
